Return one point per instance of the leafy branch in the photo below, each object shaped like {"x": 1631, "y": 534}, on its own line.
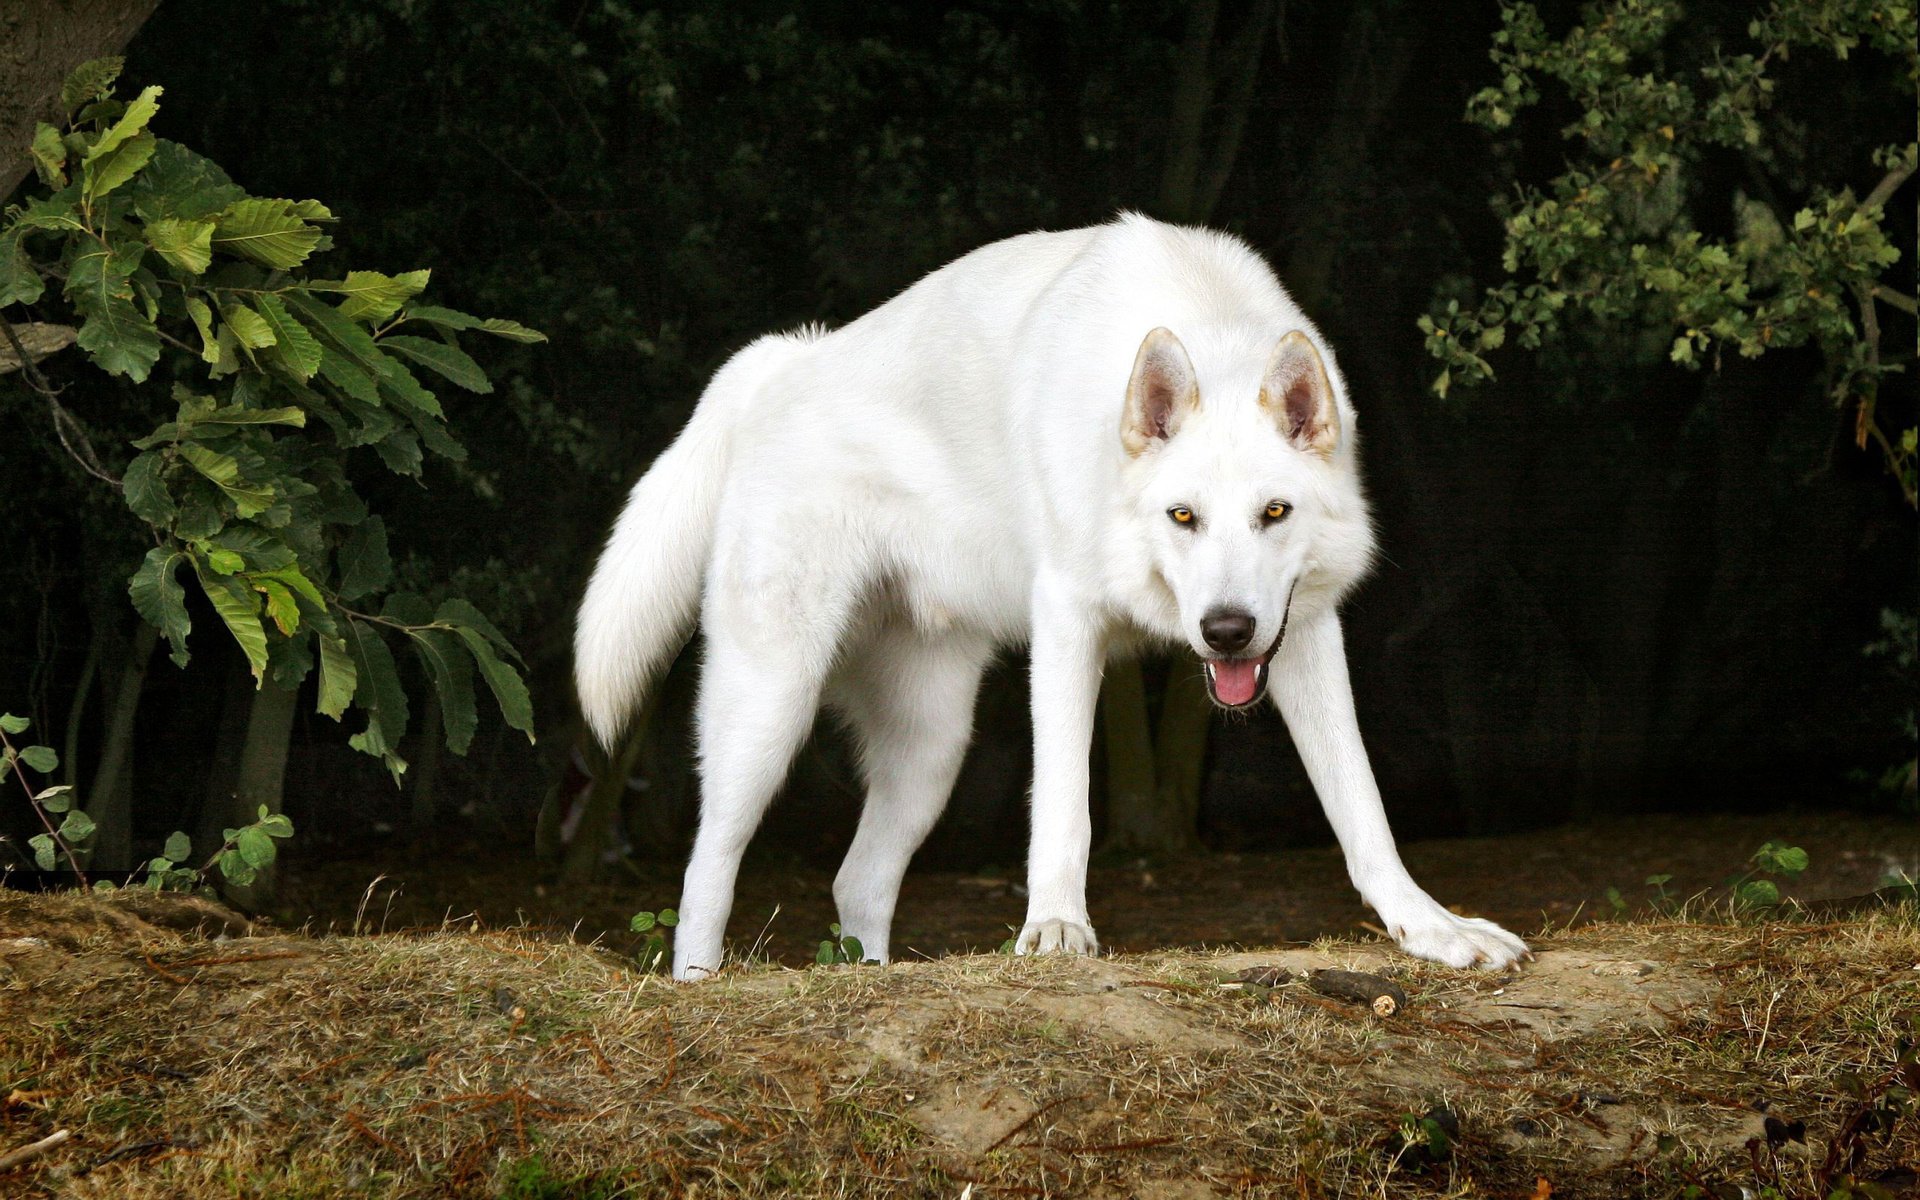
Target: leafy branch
{"x": 279, "y": 382}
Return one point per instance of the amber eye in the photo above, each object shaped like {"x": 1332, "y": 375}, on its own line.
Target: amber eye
{"x": 1277, "y": 509}
{"x": 1181, "y": 514}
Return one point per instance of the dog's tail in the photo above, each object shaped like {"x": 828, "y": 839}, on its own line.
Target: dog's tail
{"x": 645, "y": 592}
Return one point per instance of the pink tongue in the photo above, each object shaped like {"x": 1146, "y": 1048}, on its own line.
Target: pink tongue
{"x": 1234, "y": 679}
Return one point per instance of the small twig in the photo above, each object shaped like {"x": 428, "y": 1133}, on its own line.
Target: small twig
{"x": 1035, "y": 1115}
{"x": 163, "y": 973}
{"x": 34, "y": 1150}
{"x": 64, "y": 422}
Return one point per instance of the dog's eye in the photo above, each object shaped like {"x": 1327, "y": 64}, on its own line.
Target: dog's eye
{"x": 1181, "y": 514}
{"x": 1277, "y": 510}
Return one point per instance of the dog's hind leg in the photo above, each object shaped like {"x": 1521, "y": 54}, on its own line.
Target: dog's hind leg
{"x": 909, "y": 700}
{"x": 771, "y": 634}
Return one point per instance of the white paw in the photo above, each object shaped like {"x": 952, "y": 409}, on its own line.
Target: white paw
{"x": 1056, "y": 937}
{"x": 1441, "y": 937}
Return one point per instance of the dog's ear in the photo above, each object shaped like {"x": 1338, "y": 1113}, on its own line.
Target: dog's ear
{"x": 1296, "y": 391}
{"x": 1161, "y": 393}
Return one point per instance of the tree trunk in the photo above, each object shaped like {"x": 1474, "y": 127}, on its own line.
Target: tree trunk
{"x": 609, "y": 788}
{"x": 1180, "y": 754}
{"x": 1134, "y": 821}
{"x": 77, "y": 714}
{"x": 261, "y": 781}
{"x": 110, "y": 803}
{"x": 229, "y": 740}
{"x": 424, "y": 780}
{"x": 40, "y": 42}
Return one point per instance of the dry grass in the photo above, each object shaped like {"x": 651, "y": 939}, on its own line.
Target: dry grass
{"x": 492, "y": 1063}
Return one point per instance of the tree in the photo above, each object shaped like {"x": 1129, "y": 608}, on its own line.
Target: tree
{"x": 41, "y": 41}
{"x": 1621, "y": 235}
{"x": 175, "y": 276}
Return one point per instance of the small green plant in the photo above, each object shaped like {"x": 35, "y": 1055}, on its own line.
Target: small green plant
{"x": 653, "y": 951}
{"x": 243, "y": 852}
{"x": 838, "y": 947}
{"x": 75, "y": 828}
{"x": 1756, "y": 888}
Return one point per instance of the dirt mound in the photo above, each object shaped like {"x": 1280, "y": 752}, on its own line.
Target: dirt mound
{"x": 189, "y": 1054}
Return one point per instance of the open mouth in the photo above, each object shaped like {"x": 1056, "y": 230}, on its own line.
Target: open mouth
{"x": 1239, "y": 682}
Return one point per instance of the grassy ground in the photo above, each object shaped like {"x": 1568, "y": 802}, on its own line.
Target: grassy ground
{"x": 1632, "y": 1058}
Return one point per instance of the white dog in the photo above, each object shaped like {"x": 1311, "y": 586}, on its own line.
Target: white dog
{"x": 1076, "y": 440}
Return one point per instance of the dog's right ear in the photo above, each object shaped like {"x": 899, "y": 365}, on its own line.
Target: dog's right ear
{"x": 1161, "y": 393}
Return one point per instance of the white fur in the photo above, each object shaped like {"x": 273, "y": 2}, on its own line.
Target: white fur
{"x": 875, "y": 511}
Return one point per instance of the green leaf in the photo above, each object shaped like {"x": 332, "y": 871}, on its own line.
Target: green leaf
{"x": 1759, "y": 893}
{"x": 179, "y": 183}
{"x": 239, "y": 607}
{"x": 144, "y": 485}
{"x": 336, "y": 332}
{"x": 226, "y": 562}
{"x": 255, "y": 847}
{"x": 850, "y": 947}
{"x": 274, "y": 824}
{"x": 509, "y": 690}
{"x": 49, "y": 155}
{"x": 104, "y": 173}
{"x": 90, "y": 81}
{"x": 372, "y": 297}
{"x": 338, "y": 677}
{"x": 248, "y": 326}
{"x": 461, "y": 612}
{"x": 56, "y": 799}
{"x": 233, "y": 415}
{"x": 119, "y": 339}
{"x": 824, "y": 955}
{"x": 264, "y": 552}
{"x": 235, "y": 869}
{"x": 203, "y": 323}
{"x": 379, "y": 694}
{"x": 188, "y": 245}
{"x": 513, "y": 331}
{"x": 179, "y": 847}
{"x": 449, "y": 362}
{"x": 160, "y": 599}
{"x": 452, "y": 673}
{"x": 269, "y": 232}
{"x": 447, "y": 318}
{"x": 363, "y": 562}
{"x": 44, "y": 855}
{"x": 223, "y": 471}
{"x": 133, "y": 120}
{"x": 20, "y": 283}
{"x": 13, "y": 724}
{"x": 294, "y": 348}
{"x": 669, "y": 917}
{"x": 282, "y": 609}
{"x": 41, "y": 759}
{"x": 641, "y": 922}
{"x": 76, "y": 828}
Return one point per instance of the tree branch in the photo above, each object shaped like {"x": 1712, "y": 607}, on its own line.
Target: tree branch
{"x": 65, "y": 425}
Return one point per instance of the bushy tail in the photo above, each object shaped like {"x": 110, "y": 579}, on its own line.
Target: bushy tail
{"x": 645, "y": 592}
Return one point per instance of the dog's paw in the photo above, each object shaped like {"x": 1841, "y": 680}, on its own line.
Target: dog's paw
{"x": 1442, "y": 937}
{"x": 1056, "y": 937}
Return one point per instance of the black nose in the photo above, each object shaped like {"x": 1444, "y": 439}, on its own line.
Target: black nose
{"x": 1227, "y": 630}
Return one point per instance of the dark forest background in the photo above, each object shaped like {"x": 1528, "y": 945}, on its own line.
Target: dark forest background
{"x": 1610, "y": 584}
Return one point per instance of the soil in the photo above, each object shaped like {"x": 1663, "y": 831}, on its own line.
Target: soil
{"x": 182, "y": 1052}
{"x": 1554, "y": 878}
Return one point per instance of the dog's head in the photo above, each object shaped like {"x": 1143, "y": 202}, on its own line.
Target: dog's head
{"x": 1244, "y": 475}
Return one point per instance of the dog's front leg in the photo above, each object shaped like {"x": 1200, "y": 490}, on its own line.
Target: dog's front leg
{"x": 1069, "y": 646}
{"x": 1311, "y": 687}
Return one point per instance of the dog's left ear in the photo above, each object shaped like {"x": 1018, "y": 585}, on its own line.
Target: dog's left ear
{"x": 1295, "y": 390}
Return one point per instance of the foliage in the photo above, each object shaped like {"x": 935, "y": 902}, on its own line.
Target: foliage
{"x": 241, "y": 856}
{"x": 181, "y": 279}
{"x": 1618, "y": 236}
{"x": 1754, "y": 889}
{"x": 653, "y": 951}
{"x": 1901, "y": 648}
{"x": 838, "y": 947}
